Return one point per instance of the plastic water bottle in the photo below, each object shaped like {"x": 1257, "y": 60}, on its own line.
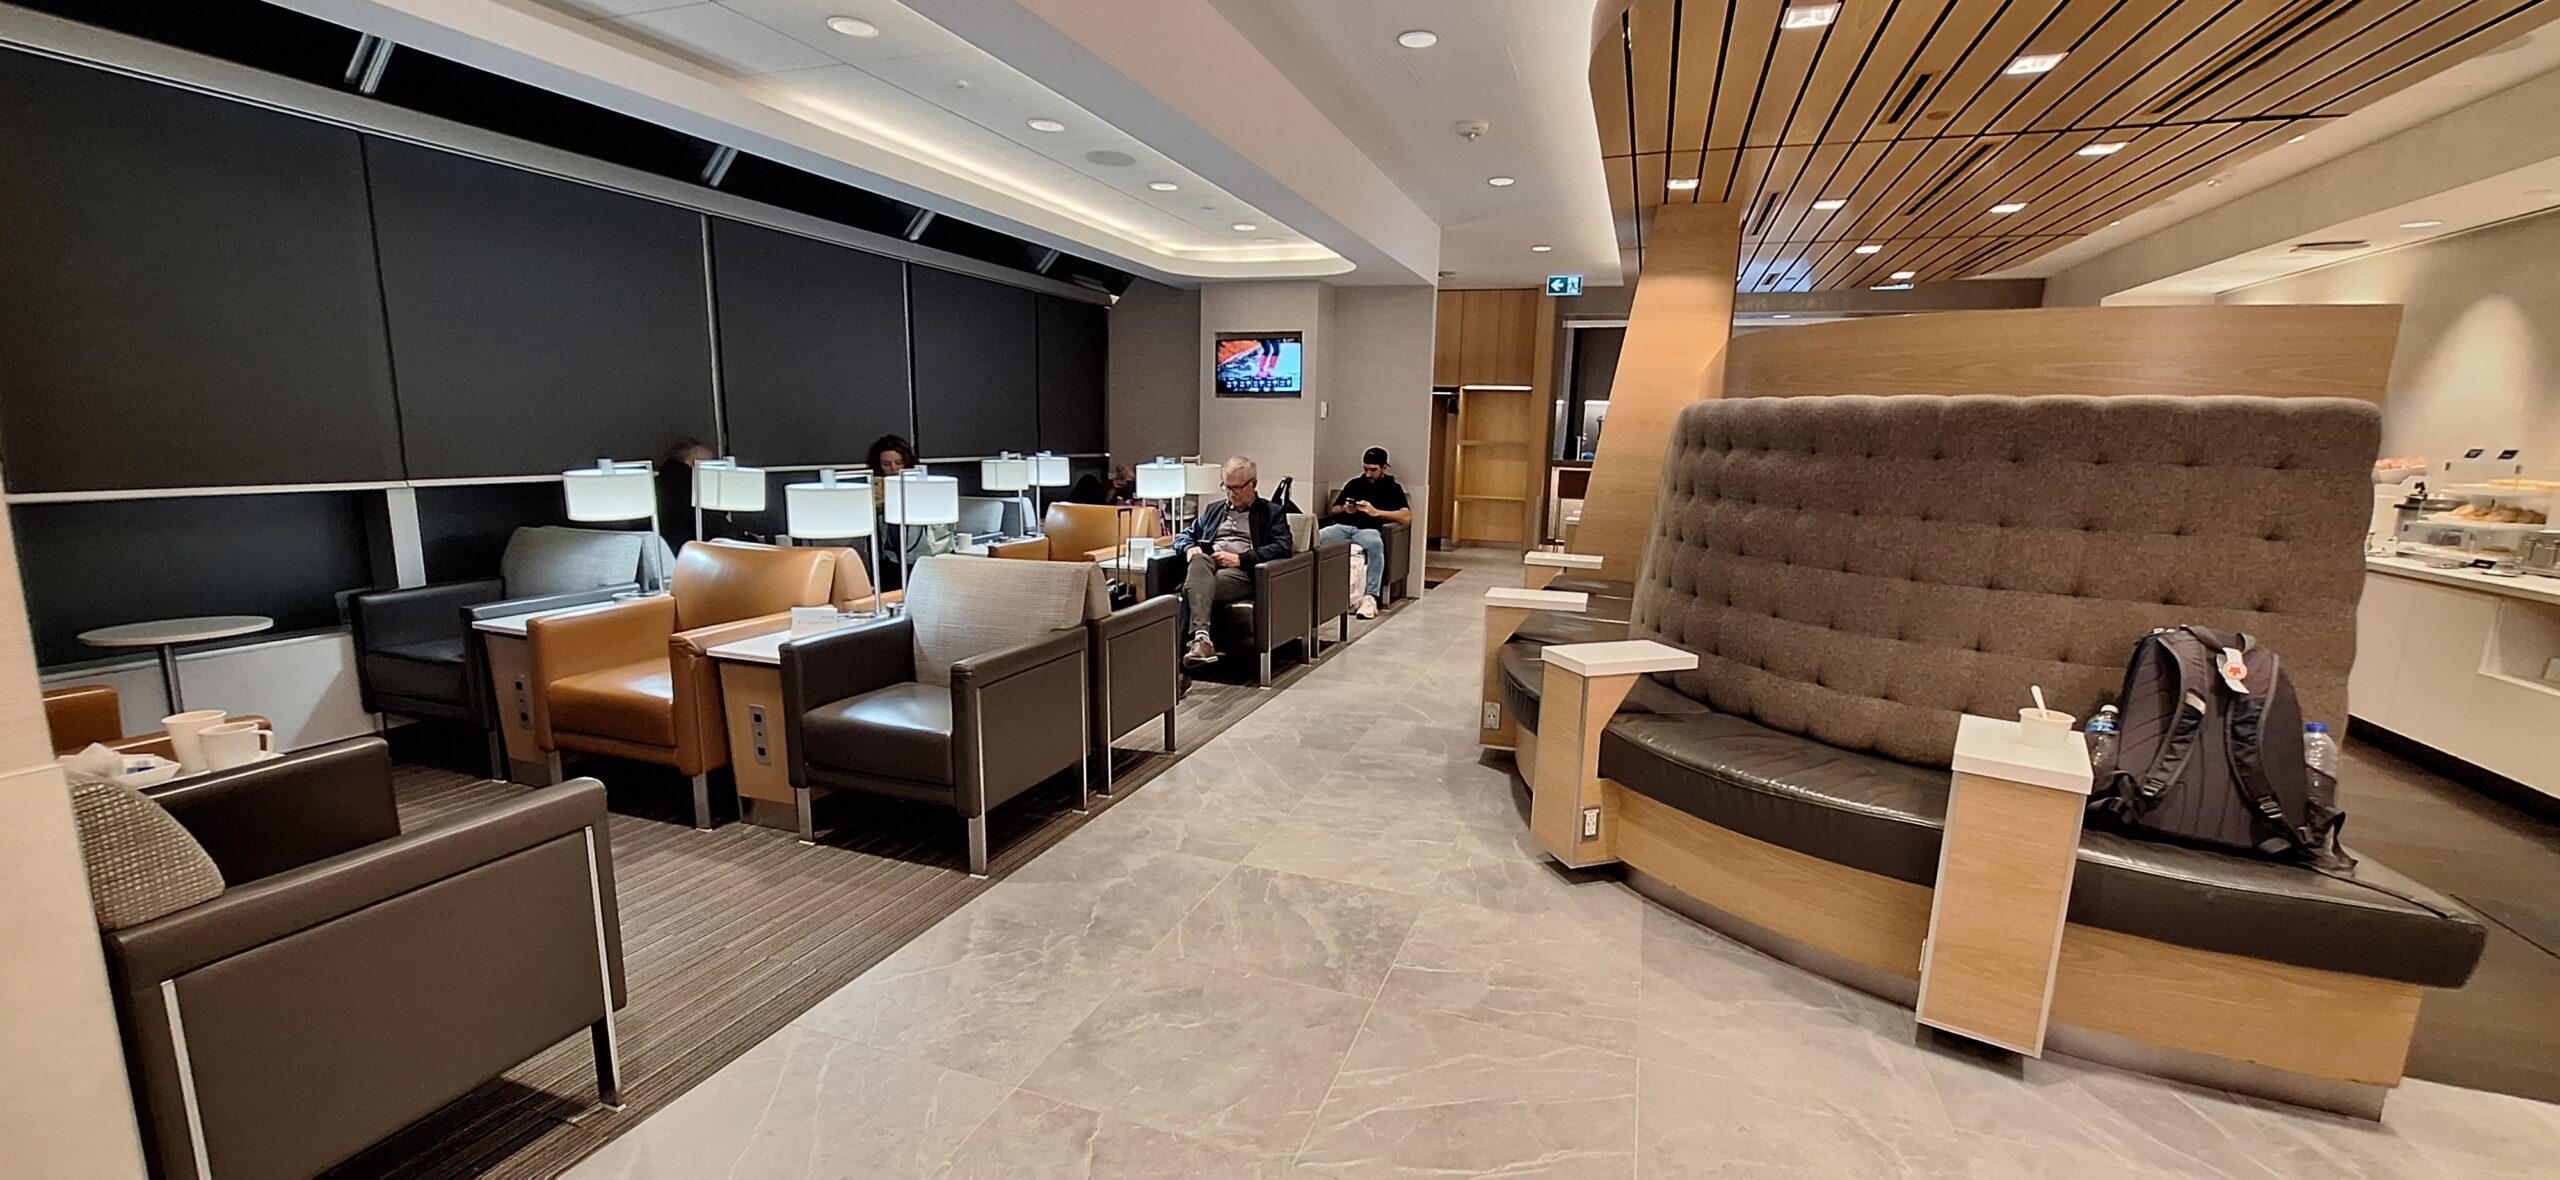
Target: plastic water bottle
{"x": 2102, "y": 740}
{"x": 2320, "y": 752}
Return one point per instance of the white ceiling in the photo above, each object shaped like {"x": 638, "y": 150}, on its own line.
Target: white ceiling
{"x": 1521, "y": 67}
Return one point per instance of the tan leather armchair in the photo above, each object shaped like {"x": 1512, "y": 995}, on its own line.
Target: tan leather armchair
{"x": 1076, "y": 532}
{"x": 635, "y": 679}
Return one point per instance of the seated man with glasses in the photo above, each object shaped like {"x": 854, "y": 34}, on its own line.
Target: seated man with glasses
{"x": 1231, "y": 537}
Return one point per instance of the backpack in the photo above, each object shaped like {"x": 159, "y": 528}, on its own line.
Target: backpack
{"x": 2210, "y": 752}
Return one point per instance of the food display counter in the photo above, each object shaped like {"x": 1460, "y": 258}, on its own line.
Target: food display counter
{"x": 2464, "y": 661}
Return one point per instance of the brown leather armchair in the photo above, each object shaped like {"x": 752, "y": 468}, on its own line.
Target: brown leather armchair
{"x": 352, "y": 977}
{"x": 1076, "y": 532}
{"x": 974, "y": 696}
{"x": 86, "y": 715}
{"x": 635, "y": 680}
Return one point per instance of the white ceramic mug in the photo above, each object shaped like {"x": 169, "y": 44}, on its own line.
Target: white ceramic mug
{"x": 186, "y": 738}
{"x": 237, "y": 743}
{"x": 2047, "y": 729}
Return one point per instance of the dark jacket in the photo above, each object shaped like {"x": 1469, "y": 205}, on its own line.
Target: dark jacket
{"x": 1269, "y": 526}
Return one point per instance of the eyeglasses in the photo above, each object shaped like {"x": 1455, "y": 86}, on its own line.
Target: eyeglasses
{"x": 1246, "y": 485}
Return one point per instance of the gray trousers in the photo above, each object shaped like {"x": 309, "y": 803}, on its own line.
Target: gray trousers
{"x": 1204, "y": 584}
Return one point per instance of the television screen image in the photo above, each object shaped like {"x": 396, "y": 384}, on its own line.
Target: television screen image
{"x": 1266, "y": 365}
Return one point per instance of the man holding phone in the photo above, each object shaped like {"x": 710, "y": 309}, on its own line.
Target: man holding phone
{"x": 1359, "y": 512}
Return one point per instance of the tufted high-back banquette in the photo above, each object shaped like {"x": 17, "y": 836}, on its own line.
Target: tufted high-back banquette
{"x": 1862, "y": 570}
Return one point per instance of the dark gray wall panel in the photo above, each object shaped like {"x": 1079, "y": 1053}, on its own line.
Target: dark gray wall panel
{"x": 1073, "y": 337}
{"x": 463, "y": 528}
{"x": 813, "y": 346}
{"x": 537, "y": 324}
{"x": 190, "y": 291}
{"x": 98, "y": 563}
{"x": 976, "y": 364}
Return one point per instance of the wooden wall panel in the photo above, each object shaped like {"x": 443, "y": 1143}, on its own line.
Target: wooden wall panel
{"x": 1677, "y": 333}
{"x": 2334, "y": 350}
{"x": 1447, "y": 326}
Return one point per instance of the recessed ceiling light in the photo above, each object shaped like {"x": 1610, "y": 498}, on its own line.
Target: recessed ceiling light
{"x": 2100, "y": 149}
{"x": 1110, "y": 159}
{"x": 1681, "y": 184}
{"x": 1418, "y": 39}
{"x": 853, "y": 26}
{"x": 1808, "y": 16}
{"x": 1781, "y": 316}
{"x": 1501, "y": 181}
{"x": 2035, "y": 63}
{"x": 1244, "y": 227}
{"x": 2420, "y": 224}
{"x": 1900, "y": 275}
{"x": 1050, "y": 125}
{"x": 1829, "y": 205}
{"x": 1868, "y": 250}
{"x": 2113, "y": 224}
{"x": 1540, "y": 249}
{"x": 1890, "y": 287}
{"x": 2297, "y": 139}
{"x": 1163, "y": 186}
{"x": 2009, "y": 208}
{"x": 1266, "y": 241}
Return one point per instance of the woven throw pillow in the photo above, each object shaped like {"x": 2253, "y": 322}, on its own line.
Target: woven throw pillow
{"x": 968, "y": 606}
{"x": 142, "y": 863}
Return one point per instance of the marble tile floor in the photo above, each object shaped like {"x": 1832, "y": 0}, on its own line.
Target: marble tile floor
{"x": 1324, "y": 947}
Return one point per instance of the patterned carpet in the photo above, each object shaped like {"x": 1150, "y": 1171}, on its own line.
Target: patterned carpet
{"x": 727, "y": 935}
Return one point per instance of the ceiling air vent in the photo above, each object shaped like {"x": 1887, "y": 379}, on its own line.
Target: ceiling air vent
{"x": 1902, "y": 110}
{"x": 1976, "y": 158}
{"x": 2341, "y": 246}
{"x": 2272, "y": 37}
{"x": 1768, "y": 209}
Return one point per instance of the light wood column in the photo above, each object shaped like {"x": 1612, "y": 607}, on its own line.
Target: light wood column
{"x": 1674, "y": 355}
{"x": 2004, "y": 885}
{"x": 1583, "y": 687}
{"x": 752, "y": 698}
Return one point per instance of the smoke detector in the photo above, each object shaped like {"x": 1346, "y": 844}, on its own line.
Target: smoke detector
{"x": 1472, "y": 130}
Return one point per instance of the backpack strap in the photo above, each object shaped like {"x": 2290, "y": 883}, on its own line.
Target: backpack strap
{"x": 2179, "y": 744}
{"x": 2244, "y": 722}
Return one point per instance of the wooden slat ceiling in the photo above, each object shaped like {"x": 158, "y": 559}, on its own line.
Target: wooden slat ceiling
{"x": 1901, "y": 109}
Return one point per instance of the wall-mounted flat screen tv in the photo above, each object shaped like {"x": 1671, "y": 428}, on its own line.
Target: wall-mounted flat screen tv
{"x": 1261, "y": 364}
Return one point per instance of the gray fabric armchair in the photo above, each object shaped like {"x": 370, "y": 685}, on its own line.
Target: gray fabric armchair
{"x": 351, "y": 977}
{"x": 1333, "y": 599}
{"x": 976, "y": 695}
{"x": 1280, "y": 612}
{"x": 1136, "y": 657}
{"x": 416, "y": 653}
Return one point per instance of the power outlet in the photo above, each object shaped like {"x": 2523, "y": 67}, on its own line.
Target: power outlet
{"x": 1590, "y": 823}
{"x": 1493, "y": 714}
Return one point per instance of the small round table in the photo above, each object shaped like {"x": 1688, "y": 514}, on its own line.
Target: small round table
{"x": 167, "y": 634}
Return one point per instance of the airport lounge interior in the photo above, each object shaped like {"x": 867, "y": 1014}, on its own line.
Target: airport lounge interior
{"x": 784, "y": 589}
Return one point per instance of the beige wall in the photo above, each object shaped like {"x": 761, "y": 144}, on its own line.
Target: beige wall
{"x": 1278, "y": 432}
{"x": 64, "y": 1106}
{"x": 1154, "y": 382}
{"x": 1381, "y": 367}
{"x": 2479, "y": 356}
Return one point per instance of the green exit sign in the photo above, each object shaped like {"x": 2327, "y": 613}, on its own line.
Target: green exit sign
{"x": 1564, "y": 284}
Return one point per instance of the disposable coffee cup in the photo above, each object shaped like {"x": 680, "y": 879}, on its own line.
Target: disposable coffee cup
{"x": 2045, "y": 729}
{"x": 186, "y": 736}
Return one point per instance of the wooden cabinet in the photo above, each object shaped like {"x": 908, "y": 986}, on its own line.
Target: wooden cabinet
{"x": 1488, "y": 338}
{"x": 2459, "y": 670}
{"x": 1496, "y": 466}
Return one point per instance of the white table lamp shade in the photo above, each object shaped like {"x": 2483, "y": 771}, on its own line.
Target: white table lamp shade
{"x": 1160, "y": 480}
{"x": 1049, "y": 471}
{"x": 722, "y": 485}
{"x": 1004, "y": 473}
{"x": 1203, "y": 479}
{"x": 623, "y": 492}
{"x": 827, "y": 510}
{"x": 921, "y": 499}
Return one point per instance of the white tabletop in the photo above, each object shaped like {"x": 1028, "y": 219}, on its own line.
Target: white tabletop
{"x": 1122, "y": 563}
{"x": 767, "y": 648}
{"x": 169, "y": 631}
{"x": 514, "y": 624}
{"x": 1568, "y": 601}
{"x": 1989, "y": 747}
{"x": 2530, "y": 587}
{"x": 1571, "y": 561}
{"x": 1619, "y": 657}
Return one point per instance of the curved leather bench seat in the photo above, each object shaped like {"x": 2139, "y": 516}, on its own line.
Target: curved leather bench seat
{"x": 1595, "y": 587}
{"x": 1885, "y": 817}
{"x": 1543, "y": 627}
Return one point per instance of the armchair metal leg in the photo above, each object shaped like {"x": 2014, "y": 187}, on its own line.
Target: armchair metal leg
{"x": 1345, "y": 624}
{"x": 608, "y": 1063}
{"x": 498, "y": 768}
{"x": 800, "y": 801}
{"x": 1168, "y": 728}
{"x": 1084, "y": 782}
{"x": 702, "y": 802}
{"x": 551, "y": 766}
{"x": 1263, "y": 677}
{"x": 977, "y": 846}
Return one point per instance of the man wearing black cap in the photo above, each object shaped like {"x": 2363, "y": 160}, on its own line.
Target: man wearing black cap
{"x": 1364, "y": 506}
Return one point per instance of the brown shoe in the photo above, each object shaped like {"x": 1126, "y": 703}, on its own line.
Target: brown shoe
{"x": 1202, "y": 652}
